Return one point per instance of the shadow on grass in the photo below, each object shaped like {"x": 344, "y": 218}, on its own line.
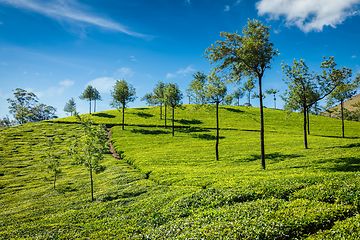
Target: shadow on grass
{"x": 334, "y": 136}
{"x": 234, "y": 110}
{"x": 144, "y": 115}
{"x": 146, "y": 131}
{"x": 189, "y": 122}
{"x": 191, "y": 130}
{"x": 104, "y": 115}
{"x": 206, "y": 136}
{"x": 275, "y": 157}
{"x": 115, "y": 196}
{"x": 64, "y": 189}
{"x": 352, "y": 145}
{"x": 349, "y": 164}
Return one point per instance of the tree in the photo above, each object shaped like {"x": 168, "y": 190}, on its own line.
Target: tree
{"x": 88, "y": 94}
{"x": 52, "y": 161}
{"x": 238, "y": 93}
{"x": 248, "y": 87}
{"x": 25, "y": 108}
{"x": 173, "y": 96}
{"x": 70, "y": 107}
{"x": 21, "y": 106}
{"x": 215, "y": 92}
{"x": 305, "y": 89}
{"x": 148, "y": 98}
{"x": 6, "y": 122}
{"x": 274, "y": 92}
{"x": 228, "y": 99}
{"x": 158, "y": 97}
{"x": 88, "y": 150}
{"x": 345, "y": 90}
{"x": 42, "y": 112}
{"x": 197, "y": 87}
{"x": 248, "y": 55}
{"x": 97, "y": 96}
{"x": 123, "y": 94}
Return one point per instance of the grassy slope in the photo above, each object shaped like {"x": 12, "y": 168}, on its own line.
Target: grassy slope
{"x": 348, "y": 103}
{"x": 176, "y": 189}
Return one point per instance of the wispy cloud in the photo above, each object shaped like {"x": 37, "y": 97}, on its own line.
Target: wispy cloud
{"x": 1, "y": 23}
{"x": 103, "y": 84}
{"x": 353, "y": 56}
{"x": 187, "y": 2}
{"x": 70, "y": 10}
{"x": 181, "y": 72}
{"x": 133, "y": 59}
{"x": 67, "y": 83}
{"x": 124, "y": 72}
{"x": 227, "y": 7}
{"x": 309, "y": 15}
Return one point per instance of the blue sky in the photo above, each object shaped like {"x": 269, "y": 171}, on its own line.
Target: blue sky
{"x": 55, "y": 48}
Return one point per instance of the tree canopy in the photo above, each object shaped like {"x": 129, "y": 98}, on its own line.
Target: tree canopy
{"x": 173, "y": 98}
{"x": 123, "y": 94}
{"x": 249, "y": 56}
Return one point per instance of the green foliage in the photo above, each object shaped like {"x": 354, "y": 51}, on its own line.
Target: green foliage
{"x": 196, "y": 88}
{"x": 70, "y": 107}
{"x": 173, "y": 188}
{"x": 89, "y": 148}
{"x": 123, "y": 94}
{"x": 25, "y": 108}
{"x": 52, "y": 161}
{"x": 173, "y": 96}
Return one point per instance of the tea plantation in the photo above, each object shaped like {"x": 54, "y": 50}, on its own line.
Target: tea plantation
{"x": 173, "y": 188}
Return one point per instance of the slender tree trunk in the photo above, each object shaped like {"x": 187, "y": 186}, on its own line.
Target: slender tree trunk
{"x": 217, "y": 131}
{"x": 90, "y": 106}
{"x": 123, "y": 116}
{"x": 173, "y": 110}
{"x": 92, "y": 185}
{"x": 262, "y": 140}
{"x": 305, "y": 136}
{"x": 189, "y": 99}
{"x": 94, "y": 105}
{"x": 342, "y": 118}
{"x": 274, "y": 101}
{"x": 165, "y": 116}
{"x": 160, "y": 111}
{"x": 308, "y": 121}
{"x": 54, "y": 180}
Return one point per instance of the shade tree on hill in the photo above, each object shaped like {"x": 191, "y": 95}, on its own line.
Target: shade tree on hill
{"x": 238, "y": 94}
{"x": 306, "y": 88}
{"x": 148, "y": 98}
{"x": 346, "y": 89}
{"x": 228, "y": 99}
{"x": 248, "y": 56}
{"x": 173, "y": 98}
{"x": 25, "y": 108}
{"x": 97, "y": 96}
{"x": 248, "y": 87}
{"x": 70, "y": 106}
{"x": 215, "y": 92}
{"x": 273, "y": 92}
{"x": 122, "y": 94}
{"x": 89, "y": 148}
{"x": 88, "y": 94}
{"x": 196, "y": 88}
{"x": 158, "y": 97}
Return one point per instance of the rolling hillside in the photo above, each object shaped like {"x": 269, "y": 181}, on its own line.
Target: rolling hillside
{"x": 173, "y": 188}
{"x": 348, "y": 104}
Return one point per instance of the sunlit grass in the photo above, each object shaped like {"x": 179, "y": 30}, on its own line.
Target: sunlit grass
{"x": 172, "y": 187}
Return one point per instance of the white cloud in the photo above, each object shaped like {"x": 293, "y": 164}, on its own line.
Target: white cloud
{"x": 309, "y": 15}
{"x": 1, "y": 23}
{"x": 133, "y": 59}
{"x": 187, "y": 1}
{"x": 124, "y": 72}
{"x": 227, "y": 8}
{"x": 67, "y": 83}
{"x": 103, "y": 84}
{"x": 70, "y": 10}
{"x": 181, "y": 72}
{"x": 353, "y": 56}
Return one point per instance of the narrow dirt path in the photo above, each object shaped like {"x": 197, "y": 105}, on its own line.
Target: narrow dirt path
{"x": 112, "y": 150}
